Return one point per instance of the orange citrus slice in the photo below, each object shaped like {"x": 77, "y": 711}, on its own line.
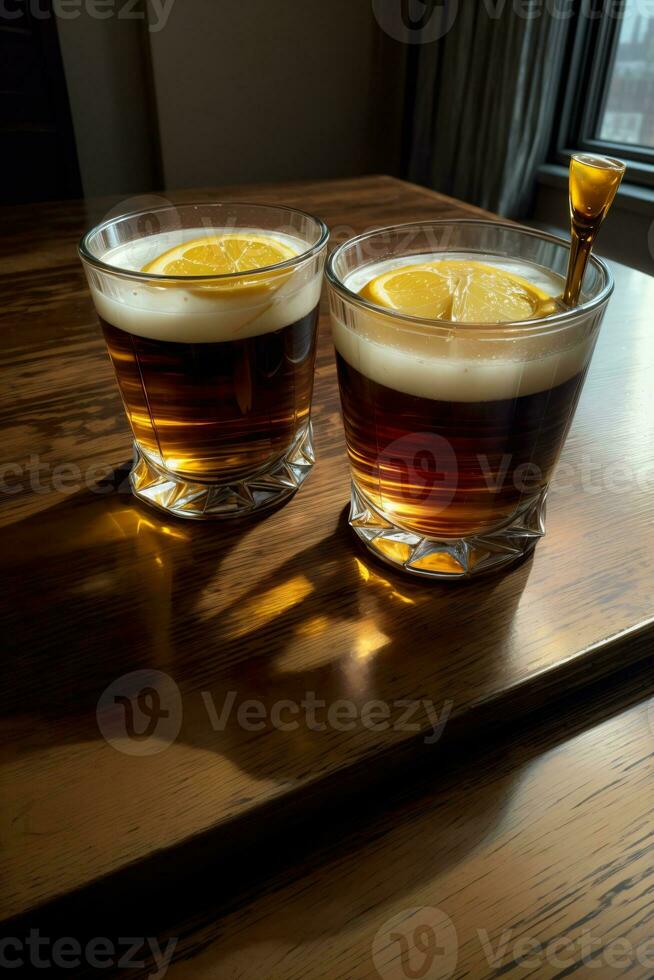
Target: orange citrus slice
{"x": 464, "y": 291}
{"x": 218, "y": 255}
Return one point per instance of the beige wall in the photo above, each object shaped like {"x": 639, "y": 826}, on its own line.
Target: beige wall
{"x": 106, "y": 79}
{"x": 272, "y": 89}
{"x": 238, "y": 90}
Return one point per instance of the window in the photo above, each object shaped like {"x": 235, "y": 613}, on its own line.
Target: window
{"x": 628, "y": 112}
{"x": 607, "y": 102}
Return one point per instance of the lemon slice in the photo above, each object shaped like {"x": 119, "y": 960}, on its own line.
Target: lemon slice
{"x": 459, "y": 290}
{"x": 218, "y": 255}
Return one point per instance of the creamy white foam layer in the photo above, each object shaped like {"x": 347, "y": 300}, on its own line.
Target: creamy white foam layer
{"x": 460, "y": 365}
{"x": 197, "y": 315}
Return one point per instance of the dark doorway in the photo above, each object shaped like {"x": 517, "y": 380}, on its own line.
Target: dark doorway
{"x": 37, "y": 141}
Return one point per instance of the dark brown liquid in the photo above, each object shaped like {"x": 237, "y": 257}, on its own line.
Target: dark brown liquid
{"x": 216, "y": 411}
{"x": 450, "y": 469}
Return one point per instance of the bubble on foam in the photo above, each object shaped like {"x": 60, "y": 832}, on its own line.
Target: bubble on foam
{"x": 461, "y": 365}
{"x": 196, "y": 315}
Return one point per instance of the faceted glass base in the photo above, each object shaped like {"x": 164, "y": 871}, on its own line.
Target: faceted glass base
{"x": 448, "y": 558}
{"x": 160, "y": 488}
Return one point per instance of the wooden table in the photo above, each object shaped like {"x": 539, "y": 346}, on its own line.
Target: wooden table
{"x": 531, "y": 859}
{"x": 287, "y": 608}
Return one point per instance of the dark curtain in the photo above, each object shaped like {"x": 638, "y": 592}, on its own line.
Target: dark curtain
{"x": 484, "y": 104}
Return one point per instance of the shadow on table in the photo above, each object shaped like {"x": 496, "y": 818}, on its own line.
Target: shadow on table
{"x": 99, "y": 587}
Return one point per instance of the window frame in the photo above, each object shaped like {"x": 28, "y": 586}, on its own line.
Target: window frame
{"x": 590, "y": 58}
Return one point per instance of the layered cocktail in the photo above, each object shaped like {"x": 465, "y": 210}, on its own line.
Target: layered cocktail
{"x": 460, "y": 371}
{"x": 209, "y": 313}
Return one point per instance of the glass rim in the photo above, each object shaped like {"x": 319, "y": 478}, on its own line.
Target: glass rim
{"x": 86, "y": 255}
{"x": 586, "y": 156}
{"x": 553, "y": 321}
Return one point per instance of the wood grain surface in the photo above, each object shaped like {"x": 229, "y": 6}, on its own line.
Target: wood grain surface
{"x": 279, "y": 609}
{"x": 538, "y": 850}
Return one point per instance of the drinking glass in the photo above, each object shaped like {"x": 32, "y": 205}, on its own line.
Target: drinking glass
{"x": 453, "y": 429}
{"x": 215, "y": 371}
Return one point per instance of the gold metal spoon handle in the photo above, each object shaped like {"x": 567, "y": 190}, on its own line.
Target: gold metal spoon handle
{"x": 594, "y": 182}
